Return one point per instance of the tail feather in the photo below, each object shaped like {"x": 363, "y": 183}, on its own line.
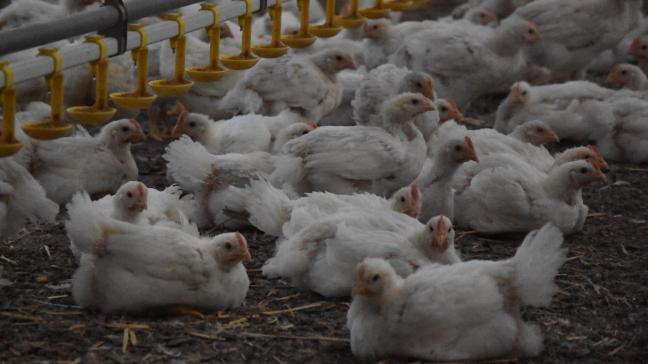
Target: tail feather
{"x": 537, "y": 262}
{"x": 269, "y": 207}
{"x": 188, "y": 163}
{"x": 86, "y": 225}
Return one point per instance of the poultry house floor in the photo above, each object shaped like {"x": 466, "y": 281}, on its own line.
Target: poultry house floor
{"x": 600, "y": 314}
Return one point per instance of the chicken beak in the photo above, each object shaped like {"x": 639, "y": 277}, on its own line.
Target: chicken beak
{"x": 427, "y": 106}
{"x": 428, "y": 90}
{"x": 350, "y": 64}
{"x": 553, "y": 137}
{"x": 415, "y": 209}
{"x": 440, "y": 238}
{"x": 365, "y": 31}
{"x": 634, "y": 47}
{"x": 598, "y": 175}
{"x": 472, "y": 152}
{"x": 137, "y": 135}
{"x": 180, "y": 125}
{"x": 245, "y": 252}
{"x": 312, "y": 124}
{"x": 600, "y": 161}
{"x": 455, "y": 113}
{"x": 489, "y": 17}
{"x": 516, "y": 97}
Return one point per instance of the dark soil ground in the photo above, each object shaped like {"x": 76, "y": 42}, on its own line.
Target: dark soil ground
{"x": 600, "y": 314}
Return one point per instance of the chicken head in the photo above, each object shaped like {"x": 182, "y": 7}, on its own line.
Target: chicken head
{"x": 125, "y": 131}
{"x": 231, "y": 249}
{"x": 131, "y": 197}
{"x": 481, "y": 16}
{"x": 584, "y": 173}
{"x": 538, "y": 132}
{"x": 448, "y": 110}
{"x": 626, "y": 76}
{"x": 407, "y": 200}
{"x": 418, "y": 82}
{"x": 372, "y": 278}
{"x": 639, "y": 48}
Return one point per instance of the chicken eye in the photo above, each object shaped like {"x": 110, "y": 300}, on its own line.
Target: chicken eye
{"x": 524, "y": 93}
{"x": 419, "y": 85}
{"x": 375, "y": 278}
{"x": 450, "y": 228}
{"x": 415, "y": 102}
{"x": 192, "y": 124}
{"x": 530, "y": 31}
{"x": 644, "y": 47}
{"x": 375, "y": 27}
{"x": 583, "y": 170}
{"x": 228, "y": 246}
{"x": 624, "y": 72}
{"x": 304, "y": 132}
{"x": 458, "y": 148}
{"x": 482, "y": 15}
{"x": 444, "y": 109}
{"x": 539, "y": 130}
{"x": 338, "y": 58}
{"x": 125, "y": 129}
{"x": 402, "y": 199}
{"x": 129, "y": 195}
{"x": 431, "y": 228}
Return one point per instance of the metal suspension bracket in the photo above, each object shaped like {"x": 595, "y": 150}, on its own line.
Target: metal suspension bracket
{"x": 118, "y": 31}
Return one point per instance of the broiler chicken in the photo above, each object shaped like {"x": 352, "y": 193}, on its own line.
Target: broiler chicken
{"x": 96, "y": 164}
{"x": 22, "y": 199}
{"x": 323, "y": 255}
{"x": 308, "y": 85}
{"x": 519, "y": 198}
{"x": 437, "y": 175}
{"x": 465, "y": 65}
{"x": 628, "y": 76}
{"x": 458, "y": 312}
{"x": 272, "y": 210}
{"x": 134, "y": 268}
{"x": 349, "y": 159}
{"x": 575, "y": 32}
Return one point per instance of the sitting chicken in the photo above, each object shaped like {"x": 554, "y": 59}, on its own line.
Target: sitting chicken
{"x": 349, "y": 159}
{"x": 516, "y": 197}
{"x": 628, "y": 76}
{"x": 464, "y": 65}
{"x": 577, "y": 31}
{"x": 135, "y": 268}
{"x": 208, "y": 176}
{"x": 307, "y": 84}
{"x": 22, "y": 199}
{"x": 383, "y": 83}
{"x": 96, "y": 164}
{"x": 272, "y": 211}
{"x": 459, "y": 312}
{"x": 628, "y": 139}
{"x": 323, "y": 255}
{"x": 438, "y": 173}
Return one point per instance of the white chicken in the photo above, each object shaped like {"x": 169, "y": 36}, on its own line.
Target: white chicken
{"x": 22, "y": 199}
{"x": 571, "y": 109}
{"x": 307, "y": 84}
{"x": 628, "y": 139}
{"x": 628, "y": 76}
{"x": 465, "y": 65}
{"x": 134, "y": 268}
{"x": 208, "y": 176}
{"x": 519, "y": 198}
{"x": 348, "y": 159}
{"x": 98, "y": 164}
{"x": 438, "y": 173}
{"x": 384, "y": 82}
{"x": 577, "y": 31}
{"x": 323, "y": 255}
{"x": 458, "y": 312}
{"x": 271, "y": 210}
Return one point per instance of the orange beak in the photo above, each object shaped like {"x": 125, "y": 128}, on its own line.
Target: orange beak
{"x": 312, "y": 124}
{"x": 428, "y": 89}
{"x": 245, "y": 252}
{"x": 350, "y": 64}
{"x": 553, "y": 137}
{"x": 635, "y": 46}
{"x": 613, "y": 78}
{"x": 516, "y": 94}
{"x": 180, "y": 125}
{"x": 600, "y": 161}
{"x": 455, "y": 113}
{"x": 489, "y": 17}
{"x": 472, "y": 152}
{"x": 599, "y": 176}
{"x": 415, "y": 209}
{"x": 536, "y": 34}
{"x": 440, "y": 239}
{"x": 137, "y": 135}
{"x": 359, "y": 287}
{"x": 365, "y": 33}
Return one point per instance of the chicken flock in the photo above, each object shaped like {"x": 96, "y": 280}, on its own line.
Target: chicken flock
{"x": 355, "y": 155}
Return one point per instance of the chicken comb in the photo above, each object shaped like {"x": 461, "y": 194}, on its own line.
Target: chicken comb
{"x": 136, "y": 125}
{"x": 440, "y": 226}
{"x": 469, "y": 142}
{"x": 360, "y": 271}
{"x": 416, "y": 194}
{"x": 141, "y": 190}
{"x": 595, "y": 150}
